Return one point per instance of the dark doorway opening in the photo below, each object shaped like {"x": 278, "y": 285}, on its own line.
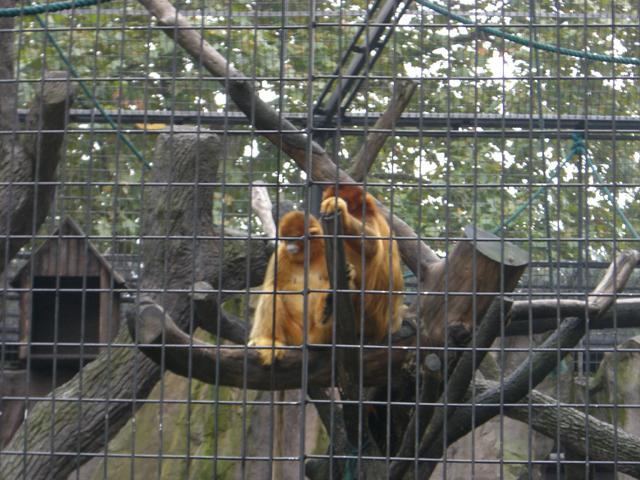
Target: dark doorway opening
{"x": 65, "y": 317}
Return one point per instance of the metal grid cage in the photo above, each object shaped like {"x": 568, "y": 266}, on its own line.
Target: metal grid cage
{"x": 151, "y": 155}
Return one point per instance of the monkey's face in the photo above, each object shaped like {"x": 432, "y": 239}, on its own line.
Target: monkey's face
{"x": 292, "y": 234}
{"x": 293, "y": 246}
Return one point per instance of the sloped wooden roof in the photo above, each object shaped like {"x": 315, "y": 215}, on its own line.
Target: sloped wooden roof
{"x": 67, "y": 252}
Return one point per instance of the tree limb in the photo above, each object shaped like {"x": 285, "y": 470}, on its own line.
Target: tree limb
{"x": 607, "y": 444}
{"x": 366, "y": 156}
{"x": 29, "y": 166}
{"x": 455, "y": 388}
{"x": 546, "y": 314}
{"x": 532, "y": 370}
{"x": 212, "y": 318}
{"x": 160, "y": 339}
{"x": 307, "y": 154}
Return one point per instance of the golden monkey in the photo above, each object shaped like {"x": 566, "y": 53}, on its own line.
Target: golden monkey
{"x": 278, "y": 319}
{"x": 360, "y": 215}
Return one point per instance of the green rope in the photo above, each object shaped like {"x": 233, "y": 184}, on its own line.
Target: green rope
{"x": 51, "y": 7}
{"x": 87, "y": 92}
{"x": 577, "y": 148}
{"x": 612, "y": 198}
{"x": 529, "y": 43}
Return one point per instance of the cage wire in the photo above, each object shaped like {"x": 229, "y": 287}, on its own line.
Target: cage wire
{"x": 148, "y": 153}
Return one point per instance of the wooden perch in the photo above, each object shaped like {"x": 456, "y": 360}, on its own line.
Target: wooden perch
{"x": 430, "y": 425}
{"x": 461, "y": 287}
{"x": 307, "y": 154}
{"x": 160, "y": 339}
{"x": 366, "y": 156}
{"x": 624, "y": 313}
{"x": 532, "y": 370}
{"x": 568, "y": 424}
{"x": 545, "y": 313}
{"x": 212, "y": 318}
{"x": 28, "y": 167}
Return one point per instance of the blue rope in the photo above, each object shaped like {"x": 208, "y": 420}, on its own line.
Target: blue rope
{"x": 51, "y": 7}
{"x": 547, "y": 47}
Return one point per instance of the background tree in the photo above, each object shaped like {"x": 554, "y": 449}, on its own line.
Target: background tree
{"x": 113, "y": 204}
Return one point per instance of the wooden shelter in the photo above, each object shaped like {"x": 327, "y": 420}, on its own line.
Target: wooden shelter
{"x": 69, "y": 298}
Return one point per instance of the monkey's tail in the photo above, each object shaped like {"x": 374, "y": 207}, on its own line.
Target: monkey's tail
{"x": 279, "y": 432}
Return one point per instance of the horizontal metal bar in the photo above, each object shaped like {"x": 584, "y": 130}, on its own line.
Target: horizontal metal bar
{"x": 424, "y": 124}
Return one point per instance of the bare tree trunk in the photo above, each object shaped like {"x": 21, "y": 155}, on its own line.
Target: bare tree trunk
{"x": 8, "y": 97}
{"x": 28, "y": 159}
{"x": 79, "y": 416}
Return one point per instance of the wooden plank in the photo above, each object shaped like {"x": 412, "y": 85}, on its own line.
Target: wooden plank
{"x": 103, "y": 336}
{"x": 25, "y": 316}
{"x": 115, "y": 315}
{"x": 71, "y": 260}
{"x": 60, "y": 260}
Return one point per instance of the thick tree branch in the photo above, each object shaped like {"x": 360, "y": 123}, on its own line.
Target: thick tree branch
{"x": 177, "y": 247}
{"x": 366, "y": 156}
{"x": 28, "y": 167}
{"x": 532, "y": 370}
{"x": 160, "y": 339}
{"x": 307, "y": 154}
{"x": 455, "y": 388}
{"x": 212, "y": 318}
{"x": 546, "y": 315}
{"x": 606, "y": 442}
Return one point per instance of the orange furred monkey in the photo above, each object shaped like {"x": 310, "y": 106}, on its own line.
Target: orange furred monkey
{"x": 381, "y": 268}
{"x": 278, "y": 319}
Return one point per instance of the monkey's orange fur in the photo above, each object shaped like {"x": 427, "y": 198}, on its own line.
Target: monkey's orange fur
{"x": 361, "y": 215}
{"x": 278, "y": 319}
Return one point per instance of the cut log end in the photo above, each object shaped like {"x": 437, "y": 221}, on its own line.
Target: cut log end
{"x": 496, "y": 248}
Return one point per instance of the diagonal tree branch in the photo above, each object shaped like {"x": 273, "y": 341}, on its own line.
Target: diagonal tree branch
{"x": 569, "y": 424}
{"x": 455, "y": 388}
{"x": 212, "y": 318}
{"x": 307, "y": 154}
{"x": 532, "y": 370}
{"x": 366, "y": 156}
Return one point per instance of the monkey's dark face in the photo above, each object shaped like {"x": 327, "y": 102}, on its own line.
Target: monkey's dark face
{"x": 292, "y": 234}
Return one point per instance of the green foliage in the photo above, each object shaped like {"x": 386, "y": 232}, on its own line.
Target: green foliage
{"x": 130, "y": 66}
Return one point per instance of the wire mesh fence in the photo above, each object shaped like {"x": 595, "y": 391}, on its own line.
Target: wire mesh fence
{"x": 328, "y": 239}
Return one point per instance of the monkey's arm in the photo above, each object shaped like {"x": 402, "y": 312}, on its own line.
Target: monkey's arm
{"x": 354, "y": 227}
{"x": 265, "y": 331}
